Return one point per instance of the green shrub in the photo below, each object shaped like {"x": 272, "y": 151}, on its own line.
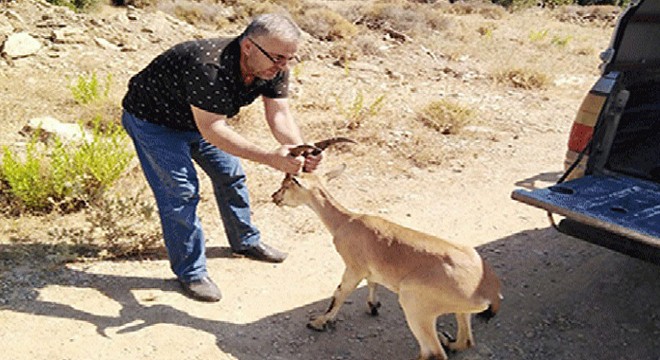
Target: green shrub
{"x": 101, "y": 161}
{"x": 65, "y": 174}
{"x": 31, "y": 180}
{"x": 87, "y": 89}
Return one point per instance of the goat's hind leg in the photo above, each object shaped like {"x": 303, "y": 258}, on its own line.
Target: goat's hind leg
{"x": 421, "y": 320}
{"x": 349, "y": 282}
{"x": 464, "y": 337}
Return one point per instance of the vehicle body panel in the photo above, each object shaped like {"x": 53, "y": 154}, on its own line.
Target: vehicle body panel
{"x": 610, "y": 192}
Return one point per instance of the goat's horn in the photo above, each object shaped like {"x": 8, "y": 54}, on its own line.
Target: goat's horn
{"x": 323, "y": 144}
{"x": 300, "y": 149}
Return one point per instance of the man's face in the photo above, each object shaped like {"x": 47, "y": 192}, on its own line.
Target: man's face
{"x": 267, "y": 56}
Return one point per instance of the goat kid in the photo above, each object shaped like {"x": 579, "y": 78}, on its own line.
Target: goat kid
{"x": 431, "y": 276}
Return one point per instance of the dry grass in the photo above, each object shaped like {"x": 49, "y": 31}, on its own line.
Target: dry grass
{"x": 326, "y": 24}
{"x": 484, "y": 8}
{"x": 444, "y": 116}
{"x": 527, "y": 79}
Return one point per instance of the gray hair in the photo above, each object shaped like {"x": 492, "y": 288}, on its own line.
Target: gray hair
{"x": 275, "y": 25}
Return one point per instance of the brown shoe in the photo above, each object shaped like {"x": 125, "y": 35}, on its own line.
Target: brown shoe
{"x": 203, "y": 289}
{"x": 262, "y": 252}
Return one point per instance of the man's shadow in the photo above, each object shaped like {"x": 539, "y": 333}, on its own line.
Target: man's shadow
{"x": 547, "y": 278}
{"x": 256, "y": 340}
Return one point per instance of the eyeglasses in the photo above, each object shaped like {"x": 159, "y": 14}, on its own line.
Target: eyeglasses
{"x": 279, "y": 60}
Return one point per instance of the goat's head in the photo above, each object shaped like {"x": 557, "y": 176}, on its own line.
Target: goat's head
{"x": 294, "y": 190}
{"x": 291, "y": 192}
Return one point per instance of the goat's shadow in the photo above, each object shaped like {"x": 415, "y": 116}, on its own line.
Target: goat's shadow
{"x": 559, "y": 301}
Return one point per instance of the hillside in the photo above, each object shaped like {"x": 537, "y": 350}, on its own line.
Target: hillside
{"x": 514, "y": 81}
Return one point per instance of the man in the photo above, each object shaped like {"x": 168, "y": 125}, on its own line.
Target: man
{"x": 175, "y": 111}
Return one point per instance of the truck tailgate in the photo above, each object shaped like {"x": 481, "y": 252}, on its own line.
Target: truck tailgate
{"x": 626, "y": 206}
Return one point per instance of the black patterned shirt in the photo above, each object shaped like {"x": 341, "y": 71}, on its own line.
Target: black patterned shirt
{"x": 203, "y": 73}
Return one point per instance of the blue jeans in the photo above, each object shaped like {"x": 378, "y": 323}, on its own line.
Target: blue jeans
{"x": 166, "y": 157}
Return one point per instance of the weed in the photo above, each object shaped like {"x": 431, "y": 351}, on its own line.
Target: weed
{"x": 445, "y": 116}
{"x": 535, "y": 36}
{"x": 114, "y": 228}
{"x": 357, "y": 111}
{"x": 119, "y": 223}
{"x": 87, "y": 89}
{"x": 561, "y": 41}
{"x": 486, "y": 31}
{"x": 297, "y": 71}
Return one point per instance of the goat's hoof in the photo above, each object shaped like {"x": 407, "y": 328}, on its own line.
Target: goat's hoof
{"x": 448, "y": 336}
{"x": 311, "y": 326}
{"x": 431, "y": 357}
{"x": 447, "y": 341}
{"x": 455, "y": 346}
{"x": 373, "y": 308}
{"x": 319, "y": 325}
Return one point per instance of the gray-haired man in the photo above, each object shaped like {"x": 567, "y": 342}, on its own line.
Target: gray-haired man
{"x": 175, "y": 111}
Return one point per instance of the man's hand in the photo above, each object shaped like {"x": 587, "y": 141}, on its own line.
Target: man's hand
{"x": 280, "y": 159}
{"x": 312, "y": 162}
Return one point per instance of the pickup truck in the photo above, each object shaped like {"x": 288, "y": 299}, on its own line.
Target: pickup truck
{"x": 609, "y": 194}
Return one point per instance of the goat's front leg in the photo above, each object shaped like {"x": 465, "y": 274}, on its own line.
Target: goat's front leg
{"x": 349, "y": 282}
{"x": 372, "y": 300}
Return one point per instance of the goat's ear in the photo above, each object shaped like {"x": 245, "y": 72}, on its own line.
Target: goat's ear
{"x": 334, "y": 173}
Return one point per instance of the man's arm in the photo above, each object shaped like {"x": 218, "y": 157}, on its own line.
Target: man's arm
{"x": 215, "y": 130}
{"x": 280, "y": 121}
{"x": 285, "y": 129}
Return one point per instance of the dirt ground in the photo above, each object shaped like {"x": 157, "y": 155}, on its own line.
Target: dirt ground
{"x": 563, "y": 298}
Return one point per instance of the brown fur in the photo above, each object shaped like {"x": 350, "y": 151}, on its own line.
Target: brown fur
{"x": 432, "y": 276}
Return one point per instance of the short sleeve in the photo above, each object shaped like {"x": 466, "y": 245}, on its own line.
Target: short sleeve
{"x": 278, "y": 87}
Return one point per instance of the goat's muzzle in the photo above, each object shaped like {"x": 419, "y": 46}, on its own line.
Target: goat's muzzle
{"x": 277, "y": 197}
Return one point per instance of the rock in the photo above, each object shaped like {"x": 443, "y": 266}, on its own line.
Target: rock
{"x": 68, "y": 35}
{"x": 105, "y": 44}
{"x": 131, "y": 13}
{"x": 20, "y": 45}
{"x": 364, "y": 66}
{"x": 50, "y": 126}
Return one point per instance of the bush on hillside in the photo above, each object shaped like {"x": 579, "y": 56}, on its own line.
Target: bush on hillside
{"x": 521, "y": 4}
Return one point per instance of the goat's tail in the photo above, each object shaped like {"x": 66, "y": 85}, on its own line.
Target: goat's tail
{"x": 493, "y": 309}
{"x": 491, "y": 290}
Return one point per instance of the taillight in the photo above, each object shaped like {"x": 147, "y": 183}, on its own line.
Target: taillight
{"x": 583, "y": 126}
{"x": 580, "y": 136}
